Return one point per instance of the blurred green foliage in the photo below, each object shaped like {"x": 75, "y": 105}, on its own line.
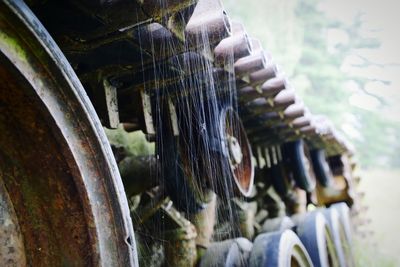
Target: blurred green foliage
{"x": 380, "y": 247}
{"x": 296, "y": 33}
{"x": 368, "y": 256}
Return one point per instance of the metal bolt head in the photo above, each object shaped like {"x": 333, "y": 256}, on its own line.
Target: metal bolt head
{"x": 235, "y": 150}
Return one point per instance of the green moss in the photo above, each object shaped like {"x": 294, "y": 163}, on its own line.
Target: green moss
{"x": 135, "y": 143}
{"x": 12, "y": 44}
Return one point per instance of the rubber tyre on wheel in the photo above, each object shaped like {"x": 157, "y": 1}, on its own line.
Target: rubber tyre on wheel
{"x": 279, "y": 249}
{"x": 277, "y": 224}
{"x": 316, "y": 235}
{"x": 321, "y": 167}
{"x": 344, "y": 219}
{"x": 299, "y": 160}
{"x": 339, "y": 236}
{"x": 279, "y": 179}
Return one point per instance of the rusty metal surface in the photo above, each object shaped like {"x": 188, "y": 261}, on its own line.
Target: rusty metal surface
{"x": 166, "y": 237}
{"x": 138, "y": 173}
{"x": 12, "y": 251}
{"x": 232, "y": 48}
{"x": 56, "y": 163}
{"x": 204, "y": 222}
{"x": 208, "y": 24}
{"x": 241, "y": 167}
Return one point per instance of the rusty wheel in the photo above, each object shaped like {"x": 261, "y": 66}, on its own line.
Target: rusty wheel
{"x": 236, "y": 149}
{"x": 61, "y": 198}
{"x": 213, "y": 153}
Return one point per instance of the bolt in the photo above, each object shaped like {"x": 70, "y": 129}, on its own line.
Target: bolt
{"x": 235, "y": 150}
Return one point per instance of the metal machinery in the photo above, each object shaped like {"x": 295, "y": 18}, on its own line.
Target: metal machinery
{"x": 237, "y": 171}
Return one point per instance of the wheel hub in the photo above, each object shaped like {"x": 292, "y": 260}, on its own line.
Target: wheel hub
{"x": 235, "y": 150}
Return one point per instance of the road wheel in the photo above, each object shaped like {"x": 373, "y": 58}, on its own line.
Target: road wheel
{"x": 299, "y": 160}
{"x": 339, "y": 236}
{"x": 321, "y": 167}
{"x": 59, "y": 183}
{"x": 280, "y": 249}
{"x": 277, "y": 224}
{"x": 214, "y": 155}
{"x": 346, "y": 231}
{"x": 316, "y": 235}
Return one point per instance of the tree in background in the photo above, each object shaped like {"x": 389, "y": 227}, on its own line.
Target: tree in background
{"x": 316, "y": 51}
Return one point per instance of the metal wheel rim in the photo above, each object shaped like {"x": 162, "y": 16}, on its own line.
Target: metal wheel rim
{"x": 61, "y": 108}
{"x": 243, "y": 173}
